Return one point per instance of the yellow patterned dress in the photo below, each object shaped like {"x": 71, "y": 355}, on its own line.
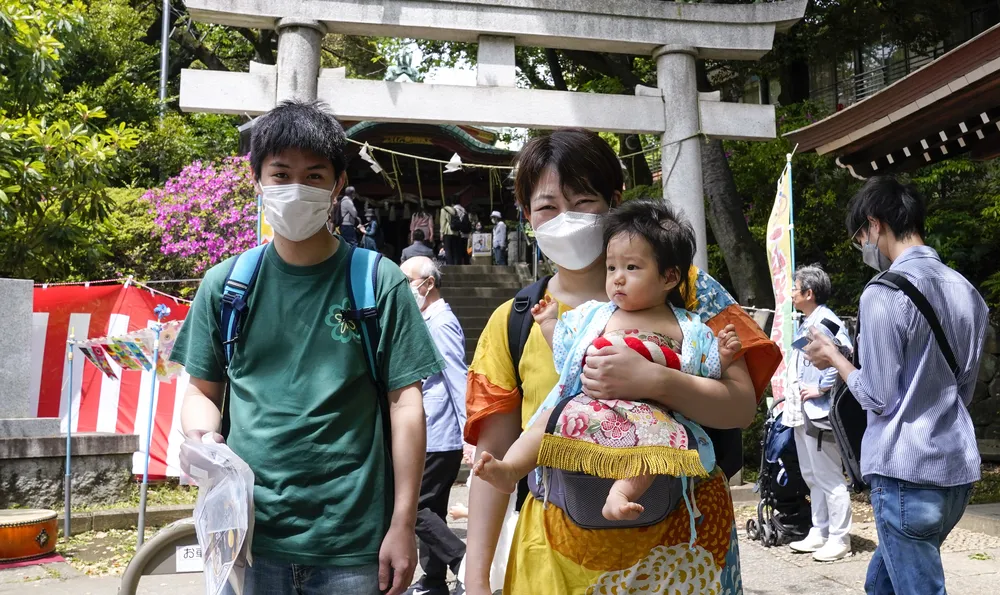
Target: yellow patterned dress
{"x": 553, "y": 556}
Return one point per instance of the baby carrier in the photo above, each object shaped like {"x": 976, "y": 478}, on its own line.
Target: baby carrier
{"x": 783, "y": 513}
{"x": 582, "y": 496}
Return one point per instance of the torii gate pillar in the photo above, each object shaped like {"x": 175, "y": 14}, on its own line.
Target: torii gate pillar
{"x": 680, "y": 145}
{"x": 299, "y": 48}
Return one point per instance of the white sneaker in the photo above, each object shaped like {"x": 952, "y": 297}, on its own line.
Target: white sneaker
{"x": 835, "y": 549}
{"x": 813, "y": 542}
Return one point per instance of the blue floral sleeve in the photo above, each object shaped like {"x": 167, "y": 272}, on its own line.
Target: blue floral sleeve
{"x": 700, "y": 350}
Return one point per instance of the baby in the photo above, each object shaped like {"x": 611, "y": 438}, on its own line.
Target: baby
{"x": 649, "y": 256}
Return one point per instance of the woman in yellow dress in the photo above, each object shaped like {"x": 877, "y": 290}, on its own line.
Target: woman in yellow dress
{"x": 564, "y": 183}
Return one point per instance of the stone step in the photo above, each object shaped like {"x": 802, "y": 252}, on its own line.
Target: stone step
{"x": 477, "y": 269}
{"x": 484, "y": 278}
{"x": 474, "y": 315}
{"x": 472, "y": 325}
{"x": 510, "y": 287}
{"x": 502, "y": 294}
{"x": 460, "y": 305}
{"x": 477, "y": 296}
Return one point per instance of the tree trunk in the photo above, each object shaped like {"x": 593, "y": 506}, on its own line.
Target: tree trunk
{"x": 745, "y": 260}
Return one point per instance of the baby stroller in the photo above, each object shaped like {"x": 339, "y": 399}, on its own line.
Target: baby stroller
{"x": 783, "y": 513}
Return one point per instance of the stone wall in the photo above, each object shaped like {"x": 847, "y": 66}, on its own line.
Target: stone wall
{"x": 985, "y": 408}
{"x": 32, "y": 470}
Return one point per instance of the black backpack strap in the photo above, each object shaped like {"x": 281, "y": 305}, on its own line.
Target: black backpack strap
{"x": 519, "y": 322}
{"x": 896, "y": 281}
{"x": 518, "y": 328}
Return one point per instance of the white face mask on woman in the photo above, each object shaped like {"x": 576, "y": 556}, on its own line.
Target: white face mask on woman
{"x": 296, "y": 211}
{"x": 572, "y": 240}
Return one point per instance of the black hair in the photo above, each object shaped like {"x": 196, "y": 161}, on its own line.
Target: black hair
{"x": 418, "y": 235}
{"x": 898, "y": 205}
{"x": 308, "y": 126}
{"x": 670, "y": 235}
{"x": 584, "y": 161}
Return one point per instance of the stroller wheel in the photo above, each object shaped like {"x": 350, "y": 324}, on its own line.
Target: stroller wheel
{"x": 770, "y": 538}
{"x": 752, "y": 531}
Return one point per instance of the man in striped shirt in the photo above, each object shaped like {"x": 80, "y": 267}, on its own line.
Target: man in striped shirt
{"x": 919, "y": 453}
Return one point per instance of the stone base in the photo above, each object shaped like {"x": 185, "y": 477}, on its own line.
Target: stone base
{"x": 32, "y": 470}
{"x": 29, "y": 427}
{"x": 482, "y": 259}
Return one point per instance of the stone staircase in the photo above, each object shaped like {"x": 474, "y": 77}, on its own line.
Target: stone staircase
{"x": 474, "y": 291}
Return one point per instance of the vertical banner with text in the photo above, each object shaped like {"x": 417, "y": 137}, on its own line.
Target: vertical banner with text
{"x": 780, "y": 258}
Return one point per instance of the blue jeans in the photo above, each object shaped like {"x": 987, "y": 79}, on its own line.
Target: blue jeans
{"x": 913, "y": 521}
{"x": 271, "y": 577}
{"x": 500, "y": 255}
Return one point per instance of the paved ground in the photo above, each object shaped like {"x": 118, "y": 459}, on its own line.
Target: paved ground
{"x": 971, "y": 561}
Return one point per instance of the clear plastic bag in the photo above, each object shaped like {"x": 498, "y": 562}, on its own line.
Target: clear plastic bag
{"x": 223, "y": 514}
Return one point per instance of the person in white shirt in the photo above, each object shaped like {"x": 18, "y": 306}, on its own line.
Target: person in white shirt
{"x": 829, "y": 538}
{"x": 499, "y": 239}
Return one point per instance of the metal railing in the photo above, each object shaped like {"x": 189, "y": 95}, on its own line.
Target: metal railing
{"x": 863, "y": 85}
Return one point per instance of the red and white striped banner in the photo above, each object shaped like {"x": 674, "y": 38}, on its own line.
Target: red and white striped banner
{"x": 99, "y": 403}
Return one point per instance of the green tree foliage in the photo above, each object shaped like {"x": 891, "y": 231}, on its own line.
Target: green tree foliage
{"x": 963, "y": 203}
{"x": 116, "y": 64}
{"x": 54, "y": 170}
{"x": 133, "y": 243}
{"x": 32, "y": 38}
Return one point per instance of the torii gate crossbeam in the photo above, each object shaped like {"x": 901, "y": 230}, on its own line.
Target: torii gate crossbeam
{"x": 673, "y": 34}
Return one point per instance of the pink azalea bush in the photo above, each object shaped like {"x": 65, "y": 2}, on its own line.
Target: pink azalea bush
{"x": 206, "y": 213}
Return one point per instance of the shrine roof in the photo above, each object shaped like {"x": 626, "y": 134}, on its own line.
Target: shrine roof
{"x": 949, "y": 107}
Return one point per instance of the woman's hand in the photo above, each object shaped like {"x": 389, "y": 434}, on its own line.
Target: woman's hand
{"x": 616, "y": 372}
{"x": 810, "y": 392}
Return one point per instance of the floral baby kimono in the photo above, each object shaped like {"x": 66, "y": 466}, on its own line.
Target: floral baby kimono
{"x": 618, "y": 439}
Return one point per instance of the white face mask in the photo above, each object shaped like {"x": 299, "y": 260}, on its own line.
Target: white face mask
{"x": 296, "y": 211}
{"x": 572, "y": 240}
{"x": 421, "y": 299}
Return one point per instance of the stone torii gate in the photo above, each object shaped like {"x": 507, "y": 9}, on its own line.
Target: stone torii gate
{"x": 674, "y": 34}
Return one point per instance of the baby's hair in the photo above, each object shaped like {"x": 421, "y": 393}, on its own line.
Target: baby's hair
{"x": 670, "y": 235}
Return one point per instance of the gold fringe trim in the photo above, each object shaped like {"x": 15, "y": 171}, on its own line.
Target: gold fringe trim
{"x": 618, "y": 462}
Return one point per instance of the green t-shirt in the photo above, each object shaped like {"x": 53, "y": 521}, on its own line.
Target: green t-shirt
{"x": 303, "y": 410}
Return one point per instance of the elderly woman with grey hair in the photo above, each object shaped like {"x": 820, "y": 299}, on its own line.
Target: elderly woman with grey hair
{"x": 819, "y": 459}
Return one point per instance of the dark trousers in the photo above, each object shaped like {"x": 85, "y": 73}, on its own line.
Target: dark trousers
{"x": 454, "y": 249}
{"x": 440, "y": 549}
{"x": 349, "y": 234}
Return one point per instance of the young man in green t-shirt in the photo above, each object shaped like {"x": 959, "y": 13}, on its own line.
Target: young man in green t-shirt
{"x": 302, "y": 407}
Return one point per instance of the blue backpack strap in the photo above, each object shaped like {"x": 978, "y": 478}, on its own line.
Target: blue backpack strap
{"x": 361, "y": 281}
{"x": 235, "y": 292}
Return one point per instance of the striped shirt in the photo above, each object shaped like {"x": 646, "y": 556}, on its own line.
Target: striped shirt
{"x": 919, "y": 429}
{"x": 811, "y": 376}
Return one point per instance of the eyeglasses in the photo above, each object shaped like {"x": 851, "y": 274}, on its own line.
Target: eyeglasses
{"x": 854, "y": 237}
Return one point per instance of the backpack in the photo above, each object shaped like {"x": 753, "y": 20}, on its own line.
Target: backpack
{"x": 728, "y": 444}
{"x": 362, "y": 279}
{"x": 848, "y": 420}
{"x": 460, "y": 223}
{"x": 336, "y": 216}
